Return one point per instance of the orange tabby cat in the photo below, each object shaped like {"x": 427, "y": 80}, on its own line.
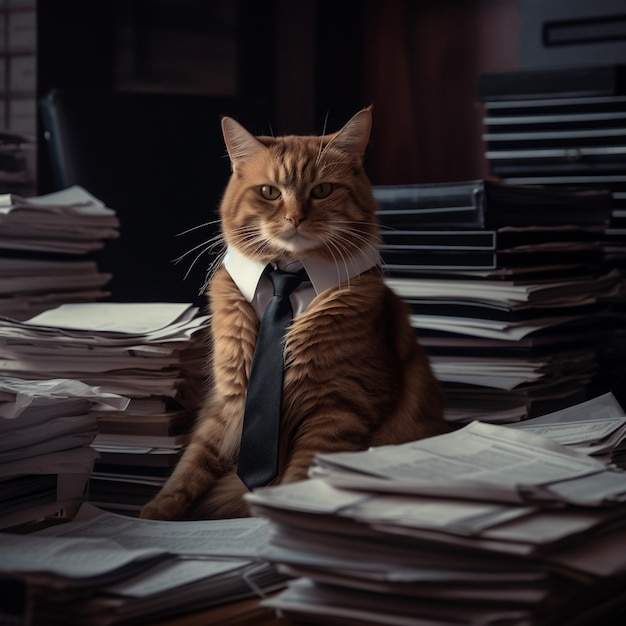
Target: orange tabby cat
{"x": 355, "y": 375}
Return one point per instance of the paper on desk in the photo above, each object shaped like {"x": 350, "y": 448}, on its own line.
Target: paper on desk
{"x": 491, "y": 526}
{"x": 480, "y": 461}
{"x": 318, "y": 496}
{"x": 68, "y": 557}
{"x": 144, "y": 317}
{"x": 117, "y": 317}
{"x": 75, "y": 198}
{"x": 329, "y": 604}
{"x": 171, "y": 574}
{"x": 593, "y": 427}
{"x": 234, "y": 538}
{"x": 20, "y": 396}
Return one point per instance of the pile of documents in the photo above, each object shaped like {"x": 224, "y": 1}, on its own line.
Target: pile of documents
{"x": 508, "y": 289}
{"x": 154, "y": 354}
{"x": 44, "y": 246}
{"x": 596, "y": 427}
{"x": 485, "y": 525}
{"x": 563, "y": 128}
{"x": 104, "y": 569}
{"x": 46, "y": 428}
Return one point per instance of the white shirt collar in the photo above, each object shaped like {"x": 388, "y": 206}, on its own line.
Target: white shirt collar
{"x": 247, "y": 272}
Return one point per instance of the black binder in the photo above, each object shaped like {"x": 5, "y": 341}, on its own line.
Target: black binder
{"x": 488, "y": 204}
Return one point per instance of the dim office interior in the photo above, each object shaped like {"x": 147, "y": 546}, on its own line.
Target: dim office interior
{"x": 282, "y": 68}
{"x": 492, "y": 119}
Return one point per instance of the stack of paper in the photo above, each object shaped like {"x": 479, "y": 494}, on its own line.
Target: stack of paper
{"x": 485, "y": 525}
{"x": 44, "y": 243}
{"x": 596, "y": 427}
{"x": 510, "y": 348}
{"x": 563, "y": 128}
{"x": 46, "y": 428}
{"x": 154, "y": 354}
{"x": 507, "y": 287}
{"x": 104, "y": 569}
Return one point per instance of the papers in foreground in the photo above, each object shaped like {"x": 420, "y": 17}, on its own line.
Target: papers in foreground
{"x": 46, "y": 428}
{"x": 105, "y": 569}
{"x": 484, "y": 525}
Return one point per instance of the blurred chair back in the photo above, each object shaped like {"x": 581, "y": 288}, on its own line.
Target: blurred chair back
{"x": 160, "y": 162}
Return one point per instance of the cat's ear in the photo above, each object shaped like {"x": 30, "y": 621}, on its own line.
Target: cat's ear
{"x": 355, "y": 135}
{"x": 240, "y": 143}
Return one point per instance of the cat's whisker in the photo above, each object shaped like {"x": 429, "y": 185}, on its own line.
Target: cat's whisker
{"x": 193, "y": 228}
{"x": 207, "y": 245}
{"x": 361, "y": 240}
{"x": 319, "y": 152}
{"x": 346, "y": 246}
{"x": 252, "y": 241}
{"x": 206, "y": 250}
{"x": 211, "y": 270}
{"x": 333, "y": 245}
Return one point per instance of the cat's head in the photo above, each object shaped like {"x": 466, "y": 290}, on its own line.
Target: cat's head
{"x": 295, "y": 197}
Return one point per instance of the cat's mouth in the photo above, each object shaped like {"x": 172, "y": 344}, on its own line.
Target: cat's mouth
{"x": 295, "y": 241}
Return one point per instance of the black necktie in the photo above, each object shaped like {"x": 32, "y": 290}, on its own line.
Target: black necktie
{"x": 258, "y": 453}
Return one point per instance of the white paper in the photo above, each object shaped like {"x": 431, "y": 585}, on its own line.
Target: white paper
{"x": 65, "y": 556}
{"x": 241, "y": 538}
{"x": 119, "y": 317}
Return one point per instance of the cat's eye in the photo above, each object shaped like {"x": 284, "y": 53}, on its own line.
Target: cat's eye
{"x": 323, "y": 190}
{"x": 269, "y": 192}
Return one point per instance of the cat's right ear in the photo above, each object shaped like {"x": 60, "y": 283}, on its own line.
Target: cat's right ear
{"x": 240, "y": 143}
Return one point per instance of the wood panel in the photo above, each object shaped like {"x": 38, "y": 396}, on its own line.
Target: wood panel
{"x": 421, "y": 67}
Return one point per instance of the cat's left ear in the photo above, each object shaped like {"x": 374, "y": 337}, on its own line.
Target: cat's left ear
{"x": 240, "y": 143}
{"x": 355, "y": 135}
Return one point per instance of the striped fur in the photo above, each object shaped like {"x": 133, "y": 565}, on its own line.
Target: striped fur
{"x": 355, "y": 375}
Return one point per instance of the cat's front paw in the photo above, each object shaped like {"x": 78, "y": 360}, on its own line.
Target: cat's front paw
{"x": 164, "y": 507}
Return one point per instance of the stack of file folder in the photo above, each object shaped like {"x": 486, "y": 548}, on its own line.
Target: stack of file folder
{"x": 45, "y": 250}
{"x": 46, "y": 429}
{"x": 565, "y": 127}
{"x": 485, "y": 525}
{"x": 153, "y": 354}
{"x": 552, "y": 123}
{"x": 508, "y": 290}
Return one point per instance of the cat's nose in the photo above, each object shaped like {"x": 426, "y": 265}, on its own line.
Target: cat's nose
{"x": 294, "y": 218}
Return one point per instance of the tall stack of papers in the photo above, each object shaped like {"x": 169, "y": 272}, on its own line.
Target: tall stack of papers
{"x": 104, "y": 569}
{"x": 484, "y": 525}
{"x": 44, "y": 246}
{"x": 46, "y": 428}
{"x": 154, "y": 354}
{"x": 508, "y": 291}
{"x": 565, "y": 128}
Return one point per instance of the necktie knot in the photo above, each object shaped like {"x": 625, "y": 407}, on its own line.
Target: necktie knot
{"x": 286, "y": 282}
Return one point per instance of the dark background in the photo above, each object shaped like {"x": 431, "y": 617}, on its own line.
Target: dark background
{"x": 309, "y": 64}
{"x": 313, "y": 61}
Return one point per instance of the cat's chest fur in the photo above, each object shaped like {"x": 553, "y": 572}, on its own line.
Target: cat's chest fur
{"x": 337, "y": 340}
